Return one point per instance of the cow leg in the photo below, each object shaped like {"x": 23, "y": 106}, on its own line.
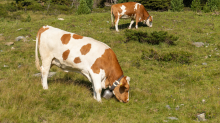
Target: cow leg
{"x": 137, "y": 20}
{"x": 46, "y": 64}
{"x": 97, "y": 87}
{"x": 132, "y": 21}
{"x": 116, "y": 23}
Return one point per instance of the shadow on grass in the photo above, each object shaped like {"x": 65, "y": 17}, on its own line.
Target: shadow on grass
{"x": 125, "y": 26}
{"x": 77, "y": 82}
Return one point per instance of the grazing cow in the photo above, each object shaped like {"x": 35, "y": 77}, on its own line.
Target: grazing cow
{"x": 75, "y": 53}
{"x": 132, "y": 10}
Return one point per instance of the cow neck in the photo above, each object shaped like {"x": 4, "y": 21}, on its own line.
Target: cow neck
{"x": 114, "y": 76}
{"x": 146, "y": 15}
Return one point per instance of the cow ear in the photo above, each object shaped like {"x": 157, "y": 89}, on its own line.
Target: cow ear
{"x": 125, "y": 82}
{"x": 128, "y": 79}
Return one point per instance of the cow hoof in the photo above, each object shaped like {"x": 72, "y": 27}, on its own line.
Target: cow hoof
{"x": 45, "y": 88}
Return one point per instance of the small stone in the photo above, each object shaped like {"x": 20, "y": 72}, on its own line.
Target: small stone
{"x": 177, "y": 107}
{"x": 9, "y": 43}
{"x": 201, "y": 117}
{"x": 60, "y": 19}
{"x": 203, "y": 100}
{"x": 19, "y": 29}
{"x": 20, "y": 38}
{"x": 204, "y": 63}
{"x": 198, "y": 44}
{"x": 172, "y": 118}
{"x": 165, "y": 121}
{"x": 168, "y": 107}
{"x": 5, "y": 65}
{"x": 19, "y": 66}
{"x": 12, "y": 48}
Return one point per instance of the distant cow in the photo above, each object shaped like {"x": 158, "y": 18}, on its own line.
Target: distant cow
{"x": 75, "y": 53}
{"x": 132, "y": 10}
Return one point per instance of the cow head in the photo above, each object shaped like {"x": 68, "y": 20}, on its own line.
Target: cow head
{"x": 121, "y": 91}
{"x": 149, "y": 21}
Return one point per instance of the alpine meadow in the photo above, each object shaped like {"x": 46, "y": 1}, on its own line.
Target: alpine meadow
{"x": 174, "y": 80}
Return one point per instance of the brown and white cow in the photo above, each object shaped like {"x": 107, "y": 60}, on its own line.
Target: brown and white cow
{"x": 75, "y": 53}
{"x": 132, "y": 10}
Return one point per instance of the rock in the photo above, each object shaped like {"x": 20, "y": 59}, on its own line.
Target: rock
{"x": 201, "y": 117}
{"x": 198, "y": 44}
{"x": 60, "y": 19}
{"x": 1, "y": 50}
{"x": 37, "y": 74}
{"x": 203, "y": 100}
{"x": 9, "y": 43}
{"x": 49, "y": 75}
{"x": 177, "y": 107}
{"x": 172, "y": 118}
{"x": 204, "y": 63}
{"x": 12, "y": 48}
{"x": 5, "y": 65}
{"x": 19, "y": 66}
{"x": 20, "y": 38}
{"x": 19, "y": 29}
{"x": 168, "y": 107}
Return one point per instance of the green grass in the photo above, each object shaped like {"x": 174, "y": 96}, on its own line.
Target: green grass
{"x": 154, "y": 84}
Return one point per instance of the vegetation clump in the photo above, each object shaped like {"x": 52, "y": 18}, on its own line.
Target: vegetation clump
{"x": 182, "y": 57}
{"x": 195, "y": 6}
{"x": 162, "y": 5}
{"x": 83, "y": 8}
{"x": 153, "y": 38}
{"x": 176, "y": 5}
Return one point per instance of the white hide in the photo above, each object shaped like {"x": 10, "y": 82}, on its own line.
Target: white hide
{"x": 136, "y": 6}
{"x": 123, "y": 8}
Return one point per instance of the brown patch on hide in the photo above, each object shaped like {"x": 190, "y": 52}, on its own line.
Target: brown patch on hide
{"x": 77, "y": 60}
{"x": 75, "y": 36}
{"x": 109, "y": 63}
{"x": 66, "y": 54}
{"x": 85, "y": 49}
{"x": 65, "y": 38}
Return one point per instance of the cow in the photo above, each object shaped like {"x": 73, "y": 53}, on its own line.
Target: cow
{"x": 133, "y": 10}
{"x": 75, "y": 53}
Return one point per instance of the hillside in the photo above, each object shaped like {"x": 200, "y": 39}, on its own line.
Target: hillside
{"x": 159, "y": 89}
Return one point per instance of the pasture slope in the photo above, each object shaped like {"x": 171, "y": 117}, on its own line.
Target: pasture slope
{"x": 188, "y": 89}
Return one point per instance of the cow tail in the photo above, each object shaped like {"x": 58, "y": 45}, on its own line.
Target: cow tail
{"x": 112, "y": 15}
{"x": 37, "y": 63}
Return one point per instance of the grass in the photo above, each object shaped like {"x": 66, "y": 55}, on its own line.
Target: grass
{"x": 154, "y": 84}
